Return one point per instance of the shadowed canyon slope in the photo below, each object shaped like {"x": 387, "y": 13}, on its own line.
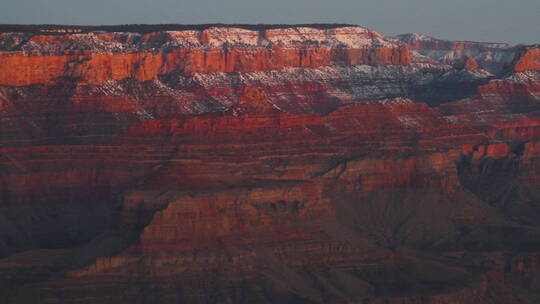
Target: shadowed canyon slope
{"x": 267, "y": 164}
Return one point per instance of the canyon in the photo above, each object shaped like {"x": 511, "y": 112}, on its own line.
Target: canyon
{"x": 267, "y": 164}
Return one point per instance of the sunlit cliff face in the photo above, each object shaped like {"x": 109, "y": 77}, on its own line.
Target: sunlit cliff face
{"x": 271, "y": 165}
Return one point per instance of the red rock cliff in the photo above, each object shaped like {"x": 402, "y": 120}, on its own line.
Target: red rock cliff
{"x": 212, "y": 50}
{"x": 527, "y": 59}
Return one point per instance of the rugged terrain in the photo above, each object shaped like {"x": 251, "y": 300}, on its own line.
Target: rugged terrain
{"x": 266, "y": 164}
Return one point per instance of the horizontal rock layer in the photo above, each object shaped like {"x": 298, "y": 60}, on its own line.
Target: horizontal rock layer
{"x": 96, "y": 68}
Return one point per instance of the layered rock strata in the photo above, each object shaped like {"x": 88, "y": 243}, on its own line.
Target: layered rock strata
{"x": 301, "y": 165}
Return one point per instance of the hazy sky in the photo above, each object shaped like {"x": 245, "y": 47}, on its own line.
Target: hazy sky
{"x": 514, "y": 21}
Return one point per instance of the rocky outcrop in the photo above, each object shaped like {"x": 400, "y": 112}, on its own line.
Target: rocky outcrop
{"x": 527, "y": 59}
{"x": 469, "y": 64}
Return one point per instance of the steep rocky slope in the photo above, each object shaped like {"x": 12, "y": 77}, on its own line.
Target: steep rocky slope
{"x": 269, "y": 164}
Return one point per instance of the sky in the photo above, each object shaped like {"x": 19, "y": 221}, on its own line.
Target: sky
{"x": 512, "y": 21}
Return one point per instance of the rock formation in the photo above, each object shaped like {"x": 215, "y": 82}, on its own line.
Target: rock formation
{"x": 267, "y": 164}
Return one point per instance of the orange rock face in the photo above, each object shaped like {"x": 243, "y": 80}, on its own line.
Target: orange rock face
{"x": 471, "y": 64}
{"x": 34, "y": 68}
{"x": 527, "y": 59}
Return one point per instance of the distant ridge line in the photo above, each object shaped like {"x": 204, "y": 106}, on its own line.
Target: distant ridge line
{"x": 148, "y": 28}
{"x": 406, "y": 35}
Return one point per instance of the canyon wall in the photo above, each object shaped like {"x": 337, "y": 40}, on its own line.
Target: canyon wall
{"x": 190, "y": 52}
{"x": 273, "y": 165}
